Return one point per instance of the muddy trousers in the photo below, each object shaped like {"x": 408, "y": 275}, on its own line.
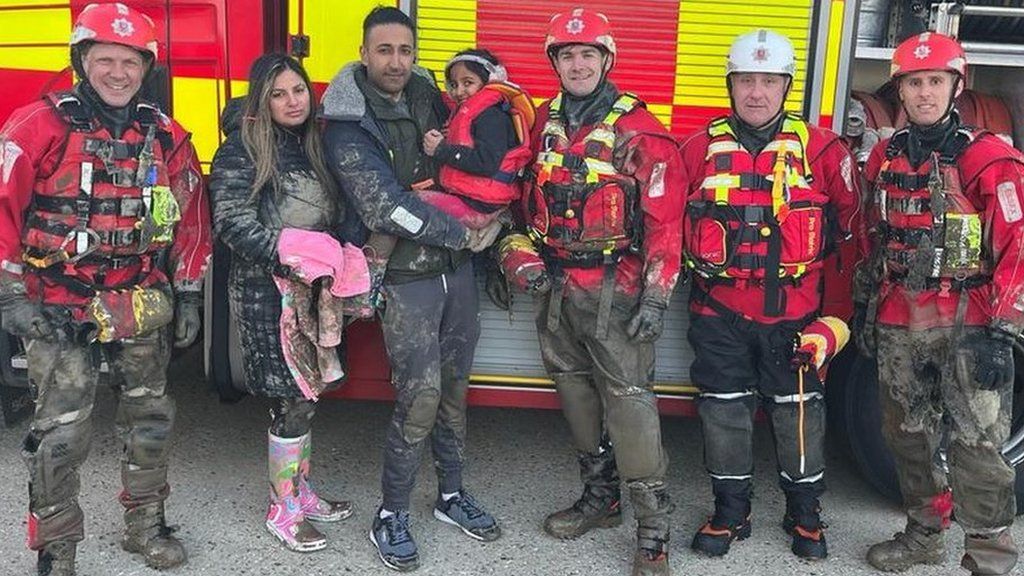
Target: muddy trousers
{"x": 431, "y": 327}
{"x": 605, "y": 387}
{"x": 738, "y": 365}
{"x": 64, "y": 379}
{"x": 291, "y": 417}
{"x": 923, "y": 379}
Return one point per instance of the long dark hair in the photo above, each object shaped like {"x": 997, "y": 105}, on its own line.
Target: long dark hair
{"x": 259, "y": 132}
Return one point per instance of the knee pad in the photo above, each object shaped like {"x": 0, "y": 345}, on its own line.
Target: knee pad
{"x": 728, "y": 425}
{"x": 420, "y": 415}
{"x": 146, "y": 423}
{"x": 53, "y": 457}
{"x": 784, "y": 413}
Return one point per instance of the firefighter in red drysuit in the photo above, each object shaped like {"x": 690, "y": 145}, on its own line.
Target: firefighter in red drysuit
{"x": 104, "y": 236}
{"x": 767, "y": 196}
{"x": 604, "y": 210}
{"x": 941, "y": 305}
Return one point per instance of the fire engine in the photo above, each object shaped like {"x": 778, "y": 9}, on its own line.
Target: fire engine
{"x": 671, "y": 53}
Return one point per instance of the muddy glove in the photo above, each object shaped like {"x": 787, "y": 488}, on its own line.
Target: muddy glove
{"x": 186, "y": 318}
{"x": 480, "y": 240}
{"x": 993, "y": 352}
{"x": 497, "y": 288}
{"x": 24, "y": 318}
{"x": 648, "y": 321}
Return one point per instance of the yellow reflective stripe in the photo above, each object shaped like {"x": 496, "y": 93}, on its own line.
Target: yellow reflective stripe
{"x": 722, "y": 147}
{"x": 722, "y": 180}
{"x": 721, "y": 127}
{"x": 600, "y": 167}
{"x": 784, "y": 146}
{"x": 556, "y": 104}
{"x": 602, "y": 135}
{"x": 595, "y": 168}
{"x": 795, "y": 125}
{"x": 778, "y": 184}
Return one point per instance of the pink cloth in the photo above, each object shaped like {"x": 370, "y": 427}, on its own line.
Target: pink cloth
{"x": 313, "y": 255}
{"x": 312, "y": 321}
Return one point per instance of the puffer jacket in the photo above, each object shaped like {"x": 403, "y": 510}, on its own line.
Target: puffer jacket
{"x": 250, "y": 227}
{"x": 363, "y": 161}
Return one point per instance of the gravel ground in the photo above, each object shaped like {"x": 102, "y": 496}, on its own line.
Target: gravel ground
{"x": 519, "y": 465}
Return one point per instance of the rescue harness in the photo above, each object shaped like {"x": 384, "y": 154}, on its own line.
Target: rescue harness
{"x": 581, "y": 211}
{"x": 107, "y": 204}
{"x": 758, "y": 219}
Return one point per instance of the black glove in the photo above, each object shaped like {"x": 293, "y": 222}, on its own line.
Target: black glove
{"x": 24, "y": 318}
{"x": 993, "y": 353}
{"x": 866, "y": 339}
{"x": 648, "y": 321}
{"x": 186, "y": 318}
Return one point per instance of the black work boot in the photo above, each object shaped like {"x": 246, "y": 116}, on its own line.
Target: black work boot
{"x": 146, "y": 533}
{"x": 803, "y": 522}
{"x": 57, "y": 559}
{"x": 651, "y": 506}
{"x": 731, "y": 520}
{"x": 598, "y": 507}
{"x": 915, "y": 545}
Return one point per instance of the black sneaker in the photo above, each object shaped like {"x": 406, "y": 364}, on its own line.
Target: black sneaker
{"x": 463, "y": 512}
{"x": 714, "y": 539}
{"x": 394, "y": 543}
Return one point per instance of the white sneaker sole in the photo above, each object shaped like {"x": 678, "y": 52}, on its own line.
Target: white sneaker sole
{"x": 448, "y": 520}
{"x": 380, "y": 555}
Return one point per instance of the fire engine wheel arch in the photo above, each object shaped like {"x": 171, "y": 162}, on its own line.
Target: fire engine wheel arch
{"x": 855, "y": 421}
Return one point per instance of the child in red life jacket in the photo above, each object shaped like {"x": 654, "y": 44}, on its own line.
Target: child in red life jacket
{"x": 486, "y": 146}
{"x": 482, "y": 155}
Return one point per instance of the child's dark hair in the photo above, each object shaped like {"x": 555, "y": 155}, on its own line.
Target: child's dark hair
{"x": 382, "y": 15}
{"x": 474, "y": 67}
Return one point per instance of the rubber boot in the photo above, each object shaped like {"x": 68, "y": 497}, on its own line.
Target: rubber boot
{"x": 57, "y": 559}
{"x": 915, "y": 545}
{"x": 652, "y": 507}
{"x": 989, "y": 554}
{"x": 146, "y": 533}
{"x": 285, "y": 519}
{"x": 314, "y": 507}
{"x": 598, "y": 507}
{"x": 731, "y": 520}
{"x": 803, "y": 522}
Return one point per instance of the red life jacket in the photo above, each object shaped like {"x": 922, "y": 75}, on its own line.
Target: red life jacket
{"x": 929, "y": 229}
{"x": 580, "y": 207}
{"x": 757, "y": 218}
{"x": 503, "y": 186}
{"x": 96, "y": 207}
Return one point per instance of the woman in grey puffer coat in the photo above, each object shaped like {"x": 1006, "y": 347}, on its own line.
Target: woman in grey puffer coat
{"x": 267, "y": 176}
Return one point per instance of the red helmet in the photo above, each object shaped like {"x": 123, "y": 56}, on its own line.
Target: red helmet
{"x": 579, "y": 26}
{"x": 928, "y": 51}
{"x": 115, "y": 23}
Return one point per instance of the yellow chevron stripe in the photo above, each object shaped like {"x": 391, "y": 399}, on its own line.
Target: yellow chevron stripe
{"x": 445, "y": 27}
{"x": 700, "y": 66}
{"x": 41, "y": 22}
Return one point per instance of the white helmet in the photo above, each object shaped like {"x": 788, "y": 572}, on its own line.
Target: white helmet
{"x": 761, "y": 51}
